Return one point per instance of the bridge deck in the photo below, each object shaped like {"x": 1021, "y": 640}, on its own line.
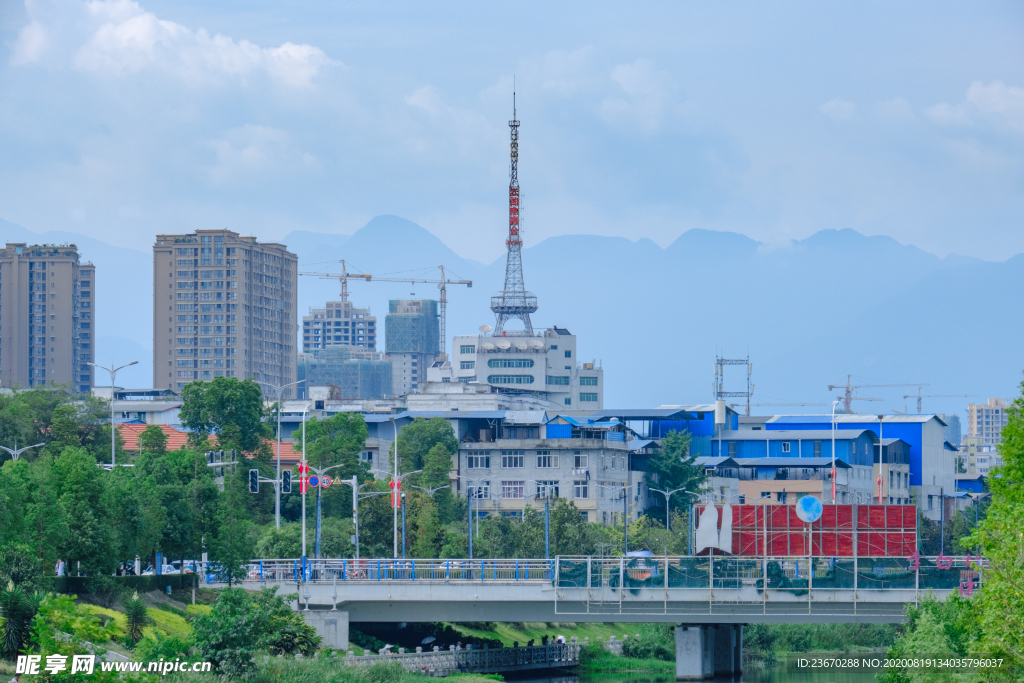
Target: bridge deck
{"x": 666, "y": 589}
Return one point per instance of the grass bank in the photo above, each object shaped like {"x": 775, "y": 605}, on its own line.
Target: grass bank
{"x": 596, "y": 659}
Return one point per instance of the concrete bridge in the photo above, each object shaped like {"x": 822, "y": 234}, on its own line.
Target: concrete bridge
{"x": 709, "y": 598}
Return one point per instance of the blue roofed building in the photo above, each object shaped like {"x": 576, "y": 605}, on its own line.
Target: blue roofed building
{"x": 932, "y": 459}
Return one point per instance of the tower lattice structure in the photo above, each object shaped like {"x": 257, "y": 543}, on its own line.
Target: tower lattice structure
{"x": 514, "y": 302}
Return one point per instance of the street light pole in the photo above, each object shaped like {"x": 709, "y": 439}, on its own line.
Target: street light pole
{"x": 16, "y": 452}
{"x": 668, "y": 498}
{"x": 302, "y": 481}
{"x": 395, "y": 483}
{"x": 277, "y": 484}
{"x": 834, "y": 404}
{"x": 113, "y": 373}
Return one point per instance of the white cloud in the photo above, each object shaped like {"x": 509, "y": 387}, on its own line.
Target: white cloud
{"x": 998, "y": 98}
{"x": 839, "y": 110}
{"x": 948, "y": 114}
{"x": 30, "y": 45}
{"x": 117, "y": 38}
{"x": 648, "y": 93}
{"x": 896, "y": 110}
{"x": 250, "y": 153}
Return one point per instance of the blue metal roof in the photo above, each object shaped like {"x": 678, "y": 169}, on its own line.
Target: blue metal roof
{"x": 645, "y": 414}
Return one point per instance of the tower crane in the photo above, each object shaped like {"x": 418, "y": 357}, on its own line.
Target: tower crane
{"x": 442, "y": 283}
{"x": 848, "y": 388}
{"x": 919, "y": 396}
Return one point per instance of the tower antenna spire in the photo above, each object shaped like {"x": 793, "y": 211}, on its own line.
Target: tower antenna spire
{"x": 513, "y": 302}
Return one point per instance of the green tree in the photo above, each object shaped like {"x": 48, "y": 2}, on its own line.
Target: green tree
{"x": 1001, "y": 540}
{"x": 674, "y": 467}
{"x": 428, "y": 530}
{"x": 64, "y": 429}
{"x": 417, "y": 438}
{"x": 17, "y": 610}
{"x": 153, "y": 438}
{"x": 89, "y": 540}
{"x": 20, "y": 565}
{"x": 240, "y": 624}
{"x": 226, "y": 407}
{"x": 233, "y": 542}
{"x": 135, "y": 618}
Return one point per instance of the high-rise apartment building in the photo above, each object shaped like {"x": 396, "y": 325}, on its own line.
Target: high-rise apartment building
{"x": 986, "y": 420}
{"x": 412, "y": 342}
{"x": 231, "y": 310}
{"x": 339, "y": 323}
{"x": 48, "y": 322}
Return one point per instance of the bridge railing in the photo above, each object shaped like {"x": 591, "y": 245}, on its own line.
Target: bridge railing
{"x": 372, "y": 570}
{"x": 790, "y": 574}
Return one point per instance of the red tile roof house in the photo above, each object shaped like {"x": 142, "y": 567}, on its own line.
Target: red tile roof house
{"x": 176, "y": 439}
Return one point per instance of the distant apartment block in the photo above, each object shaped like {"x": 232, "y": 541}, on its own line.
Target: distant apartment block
{"x": 978, "y": 458}
{"x": 47, "y": 327}
{"x": 231, "y": 310}
{"x": 986, "y": 420}
{"x": 339, "y": 323}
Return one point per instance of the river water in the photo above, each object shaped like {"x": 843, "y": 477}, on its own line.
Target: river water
{"x": 787, "y": 671}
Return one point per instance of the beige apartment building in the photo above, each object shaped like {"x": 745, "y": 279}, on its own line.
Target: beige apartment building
{"x": 231, "y": 310}
{"x": 986, "y": 420}
{"x": 47, "y": 326}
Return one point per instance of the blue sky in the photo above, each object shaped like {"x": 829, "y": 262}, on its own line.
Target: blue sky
{"x": 120, "y": 120}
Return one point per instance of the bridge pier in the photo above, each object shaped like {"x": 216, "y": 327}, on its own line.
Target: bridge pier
{"x": 331, "y": 625}
{"x": 707, "y": 650}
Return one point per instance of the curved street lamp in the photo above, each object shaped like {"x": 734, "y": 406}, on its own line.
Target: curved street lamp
{"x": 16, "y": 452}
{"x": 113, "y": 373}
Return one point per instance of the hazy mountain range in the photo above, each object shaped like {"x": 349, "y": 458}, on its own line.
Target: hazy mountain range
{"x": 808, "y": 313}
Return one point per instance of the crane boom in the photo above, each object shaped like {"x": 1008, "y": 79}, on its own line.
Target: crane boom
{"x": 848, "y": 388}
{"x": 919, "y": 396}
{"x": 441, "y": 283}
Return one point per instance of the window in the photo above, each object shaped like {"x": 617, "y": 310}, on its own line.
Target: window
{"x": 588, "y": 381}
{"x": 547, "y": 489}
{"x": 478, "y": 462}
{"x": 510, "y": 363}
{"x": 588, "y": 398}
{"x": 781, "y": 497}
{"x": 481, "y": 490}
{"x": 785, "y": 447}
{"x": 568, "y": 354}
{"x": 467, "y": 364}
{"x": 568, "y": 401}
{"x": 467, "y": 348}
{"x": 510, "y": 379}
{"x": 512, "y": 489}
{"x": 580, "y": 489}
{"x": 580, "y": 460}
{"x": 513, "y": 459}
{"x": 546, "y": 461}
{"x": 891, "y": 475}
{"x": 732, "y": 449}
{"x": 817, "y": 449}
{"x": 766, "y": 494}
{"x": 562, "y": 380}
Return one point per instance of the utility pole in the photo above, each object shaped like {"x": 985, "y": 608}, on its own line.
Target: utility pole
{"x": 277, "y": 485}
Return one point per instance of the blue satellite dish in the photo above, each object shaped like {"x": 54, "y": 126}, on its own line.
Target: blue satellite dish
{"x": 809, "y": 509}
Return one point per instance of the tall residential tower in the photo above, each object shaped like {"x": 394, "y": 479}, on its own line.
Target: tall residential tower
{"x": 48, "y": 327}
{"x": 231, "y": 310}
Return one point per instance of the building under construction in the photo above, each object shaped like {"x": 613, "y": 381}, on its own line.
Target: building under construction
{"x": 411, "y": 340}
{"x": 345, "y": 373}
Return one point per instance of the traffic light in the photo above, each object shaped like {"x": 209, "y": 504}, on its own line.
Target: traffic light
{"x": 286, "y": 481}
{"x": 254, "y": 481}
